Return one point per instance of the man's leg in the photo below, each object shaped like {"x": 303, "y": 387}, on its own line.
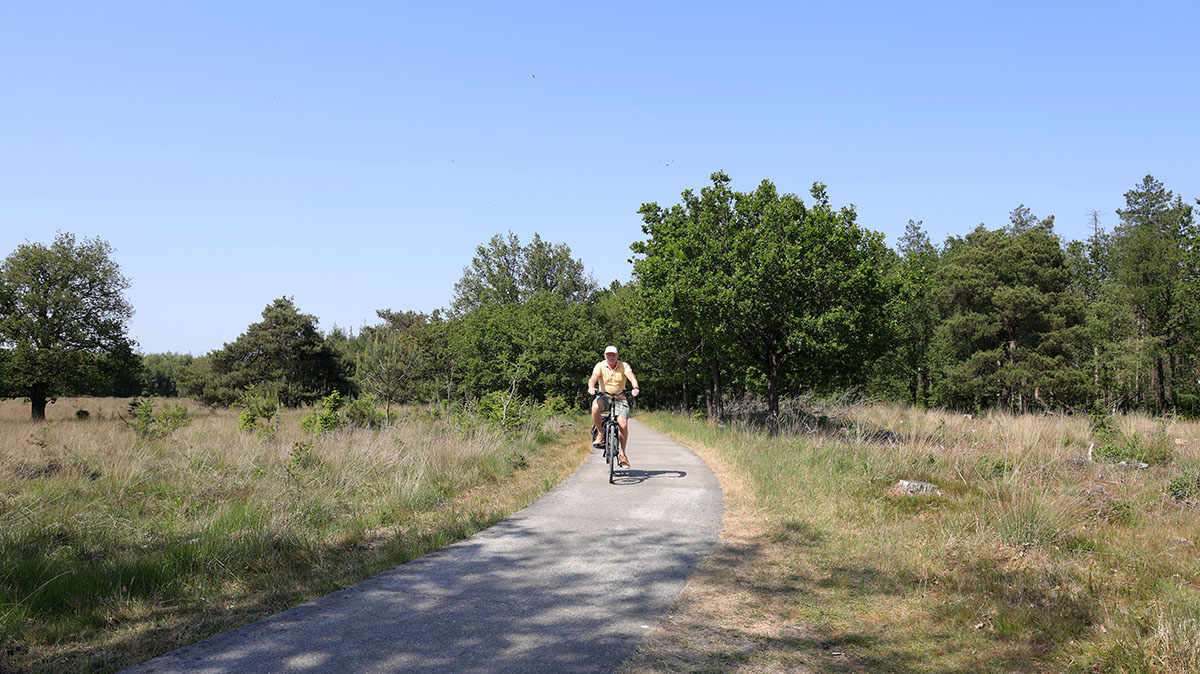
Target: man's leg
{"x": 598, "y": 417}
{"x": 623, "y": 423}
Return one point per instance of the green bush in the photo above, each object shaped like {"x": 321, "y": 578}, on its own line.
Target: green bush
{"x": 364, "y": 411}
{"x": 1185, "y": 487}
{"x": 994, "y": 466}
{"x": 327, "y": 418}
{"x": 557, "y": 406}
{"x": 149, "y": 424}
{"x": 499, "y": 409}
{"x": 260, "y": 410}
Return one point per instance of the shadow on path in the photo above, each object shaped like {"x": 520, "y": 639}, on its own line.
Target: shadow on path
{"x": 570, "y": 584}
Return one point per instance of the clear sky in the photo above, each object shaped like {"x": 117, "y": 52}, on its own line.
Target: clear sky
{"x": 353, "y": 154}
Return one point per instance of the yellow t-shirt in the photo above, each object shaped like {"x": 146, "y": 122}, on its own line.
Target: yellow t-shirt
{"x": 612, "y": 379}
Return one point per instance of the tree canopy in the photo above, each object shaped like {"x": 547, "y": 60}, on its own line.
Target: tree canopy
{"x": 284, "y": 351}
{"x": 796, "y": 294}
{"x": 63, "y": 319}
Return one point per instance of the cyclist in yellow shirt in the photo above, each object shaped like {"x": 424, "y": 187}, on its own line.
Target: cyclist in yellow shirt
{"x": 612, "y": 374}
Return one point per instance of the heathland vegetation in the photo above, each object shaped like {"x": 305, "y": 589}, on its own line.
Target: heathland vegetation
{"x": 125, "y": 533}
{"x": 292, "y": 459}
{"x": 1028, "y": 557}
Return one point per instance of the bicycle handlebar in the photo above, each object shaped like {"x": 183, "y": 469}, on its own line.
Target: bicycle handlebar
{"x": 613, "y": 396}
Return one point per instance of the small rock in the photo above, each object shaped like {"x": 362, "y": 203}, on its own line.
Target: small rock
{"x": 1180, "y": 540}
{"x": 917, "y": 487}
{"x": 1133, "y": 465}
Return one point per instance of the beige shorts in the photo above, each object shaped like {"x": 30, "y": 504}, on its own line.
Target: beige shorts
{"x": 620, "y": 406}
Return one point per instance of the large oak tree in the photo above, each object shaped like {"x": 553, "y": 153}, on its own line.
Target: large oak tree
{"x": 63, "y": 319}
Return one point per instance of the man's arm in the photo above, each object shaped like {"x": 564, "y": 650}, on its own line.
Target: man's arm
{"x": 592, "y": 381}
{"x": 632, "y": 377}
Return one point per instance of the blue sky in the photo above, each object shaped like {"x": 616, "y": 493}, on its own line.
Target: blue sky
{"x": 352, "y": 155}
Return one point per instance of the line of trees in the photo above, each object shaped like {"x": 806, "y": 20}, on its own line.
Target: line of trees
{"x": 734, "y": 293}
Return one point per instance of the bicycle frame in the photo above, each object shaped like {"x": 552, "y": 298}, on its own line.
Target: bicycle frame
{"x": 611, "y": 432}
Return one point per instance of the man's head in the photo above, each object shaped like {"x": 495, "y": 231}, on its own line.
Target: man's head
{"x": 610, "y": 354}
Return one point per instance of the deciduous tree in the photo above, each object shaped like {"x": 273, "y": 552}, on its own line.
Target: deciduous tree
{"x": 63, "y": 319}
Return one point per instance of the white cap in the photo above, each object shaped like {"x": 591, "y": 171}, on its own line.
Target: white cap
{"x": 611, "y": 349}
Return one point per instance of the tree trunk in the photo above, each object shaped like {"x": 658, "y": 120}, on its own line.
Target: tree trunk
{"x": 772, "y": 397}
{"x": 37, "y": 400}
{"x": 923, "y": 384}
{"x": 1161, "y": 383}
{"x": 687, "y": 409}
{"x": 718, "y": 404}
{"x": 709, "y": 410}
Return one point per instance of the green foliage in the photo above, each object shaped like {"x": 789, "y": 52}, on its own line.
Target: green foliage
{"x": 502, "y": 409}
{"x": 994, "y": 466}
{"x": 150, "y": 424}
{"x": 1012, "y": 323}
{"x": 557, "y": 406}
{"x": 904, "y": 372}
{"x": 524, "y": 321}
{"x": 363, "y": 411}
{"x": 62, "y": 320}
{"x": 1112, "y": 445}
{"x": 791, "y": 292}
{"x": 504, "y": 272}
{"x": 161, "y": 373}
{"x": 328, "y": 417}
{"x": 1185, "y": 487}
{"x": 337, "y": 411}
{"x": 1156, "y": 264}
{"x": 284, "y": 350}
{"x": 259, "y": 410}
{"x": 391, "y": 361}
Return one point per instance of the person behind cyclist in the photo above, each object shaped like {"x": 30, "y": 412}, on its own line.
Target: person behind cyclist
{"x": 612, "y": 374}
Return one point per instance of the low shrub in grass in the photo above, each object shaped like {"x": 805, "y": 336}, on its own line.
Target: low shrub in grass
{"x": 147, "y": 423}
{"x": 1185, "y": 487}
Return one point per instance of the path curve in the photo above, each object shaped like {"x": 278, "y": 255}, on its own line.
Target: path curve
{"x": 569, "y": 584}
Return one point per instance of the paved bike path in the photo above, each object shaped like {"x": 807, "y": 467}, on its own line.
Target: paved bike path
{"x": 569, "y": 584}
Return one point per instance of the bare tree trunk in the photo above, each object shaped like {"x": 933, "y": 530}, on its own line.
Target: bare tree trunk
{"x": 1161, "y": 386}
{"x": 772, "y": 396}
{"x": 718, "y": 403}
{"x": 37, "y": 400}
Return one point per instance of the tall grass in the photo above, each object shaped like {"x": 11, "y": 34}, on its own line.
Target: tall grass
{"x": 114, "y": 547}
{"x": 1029, "y": 557}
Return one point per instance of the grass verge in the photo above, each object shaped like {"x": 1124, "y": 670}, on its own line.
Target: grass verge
{"x": 116, "y": 547}
{"x": 1029, "y": 558}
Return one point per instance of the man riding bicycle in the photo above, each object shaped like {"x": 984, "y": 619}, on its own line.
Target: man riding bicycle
{"x": 613, "y": 373}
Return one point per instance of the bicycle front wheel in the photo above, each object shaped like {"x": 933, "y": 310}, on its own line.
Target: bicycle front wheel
{"x": 612, "y": 444}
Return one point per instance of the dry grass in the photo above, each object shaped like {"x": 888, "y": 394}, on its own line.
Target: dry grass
{"x": 1030, "y": 559}
{"x": 114, "y": 548}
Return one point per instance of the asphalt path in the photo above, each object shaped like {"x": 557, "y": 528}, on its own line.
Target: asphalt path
{"x": 570, "y": 584}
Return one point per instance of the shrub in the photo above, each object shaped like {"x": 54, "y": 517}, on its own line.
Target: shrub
{"x": 149, "y": 424}
{"x": 260, "y": 410}
{"x": 1185, "y": 487}
{"x": 327, "y": 418}
{"x": 556, "y": 406}
{"x": 364, "y": 411}
{"x": 500, "y": 408}
{"x": 994, "y": 466}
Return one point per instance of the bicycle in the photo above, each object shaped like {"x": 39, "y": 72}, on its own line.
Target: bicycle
{"x": 611, "y": 432}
